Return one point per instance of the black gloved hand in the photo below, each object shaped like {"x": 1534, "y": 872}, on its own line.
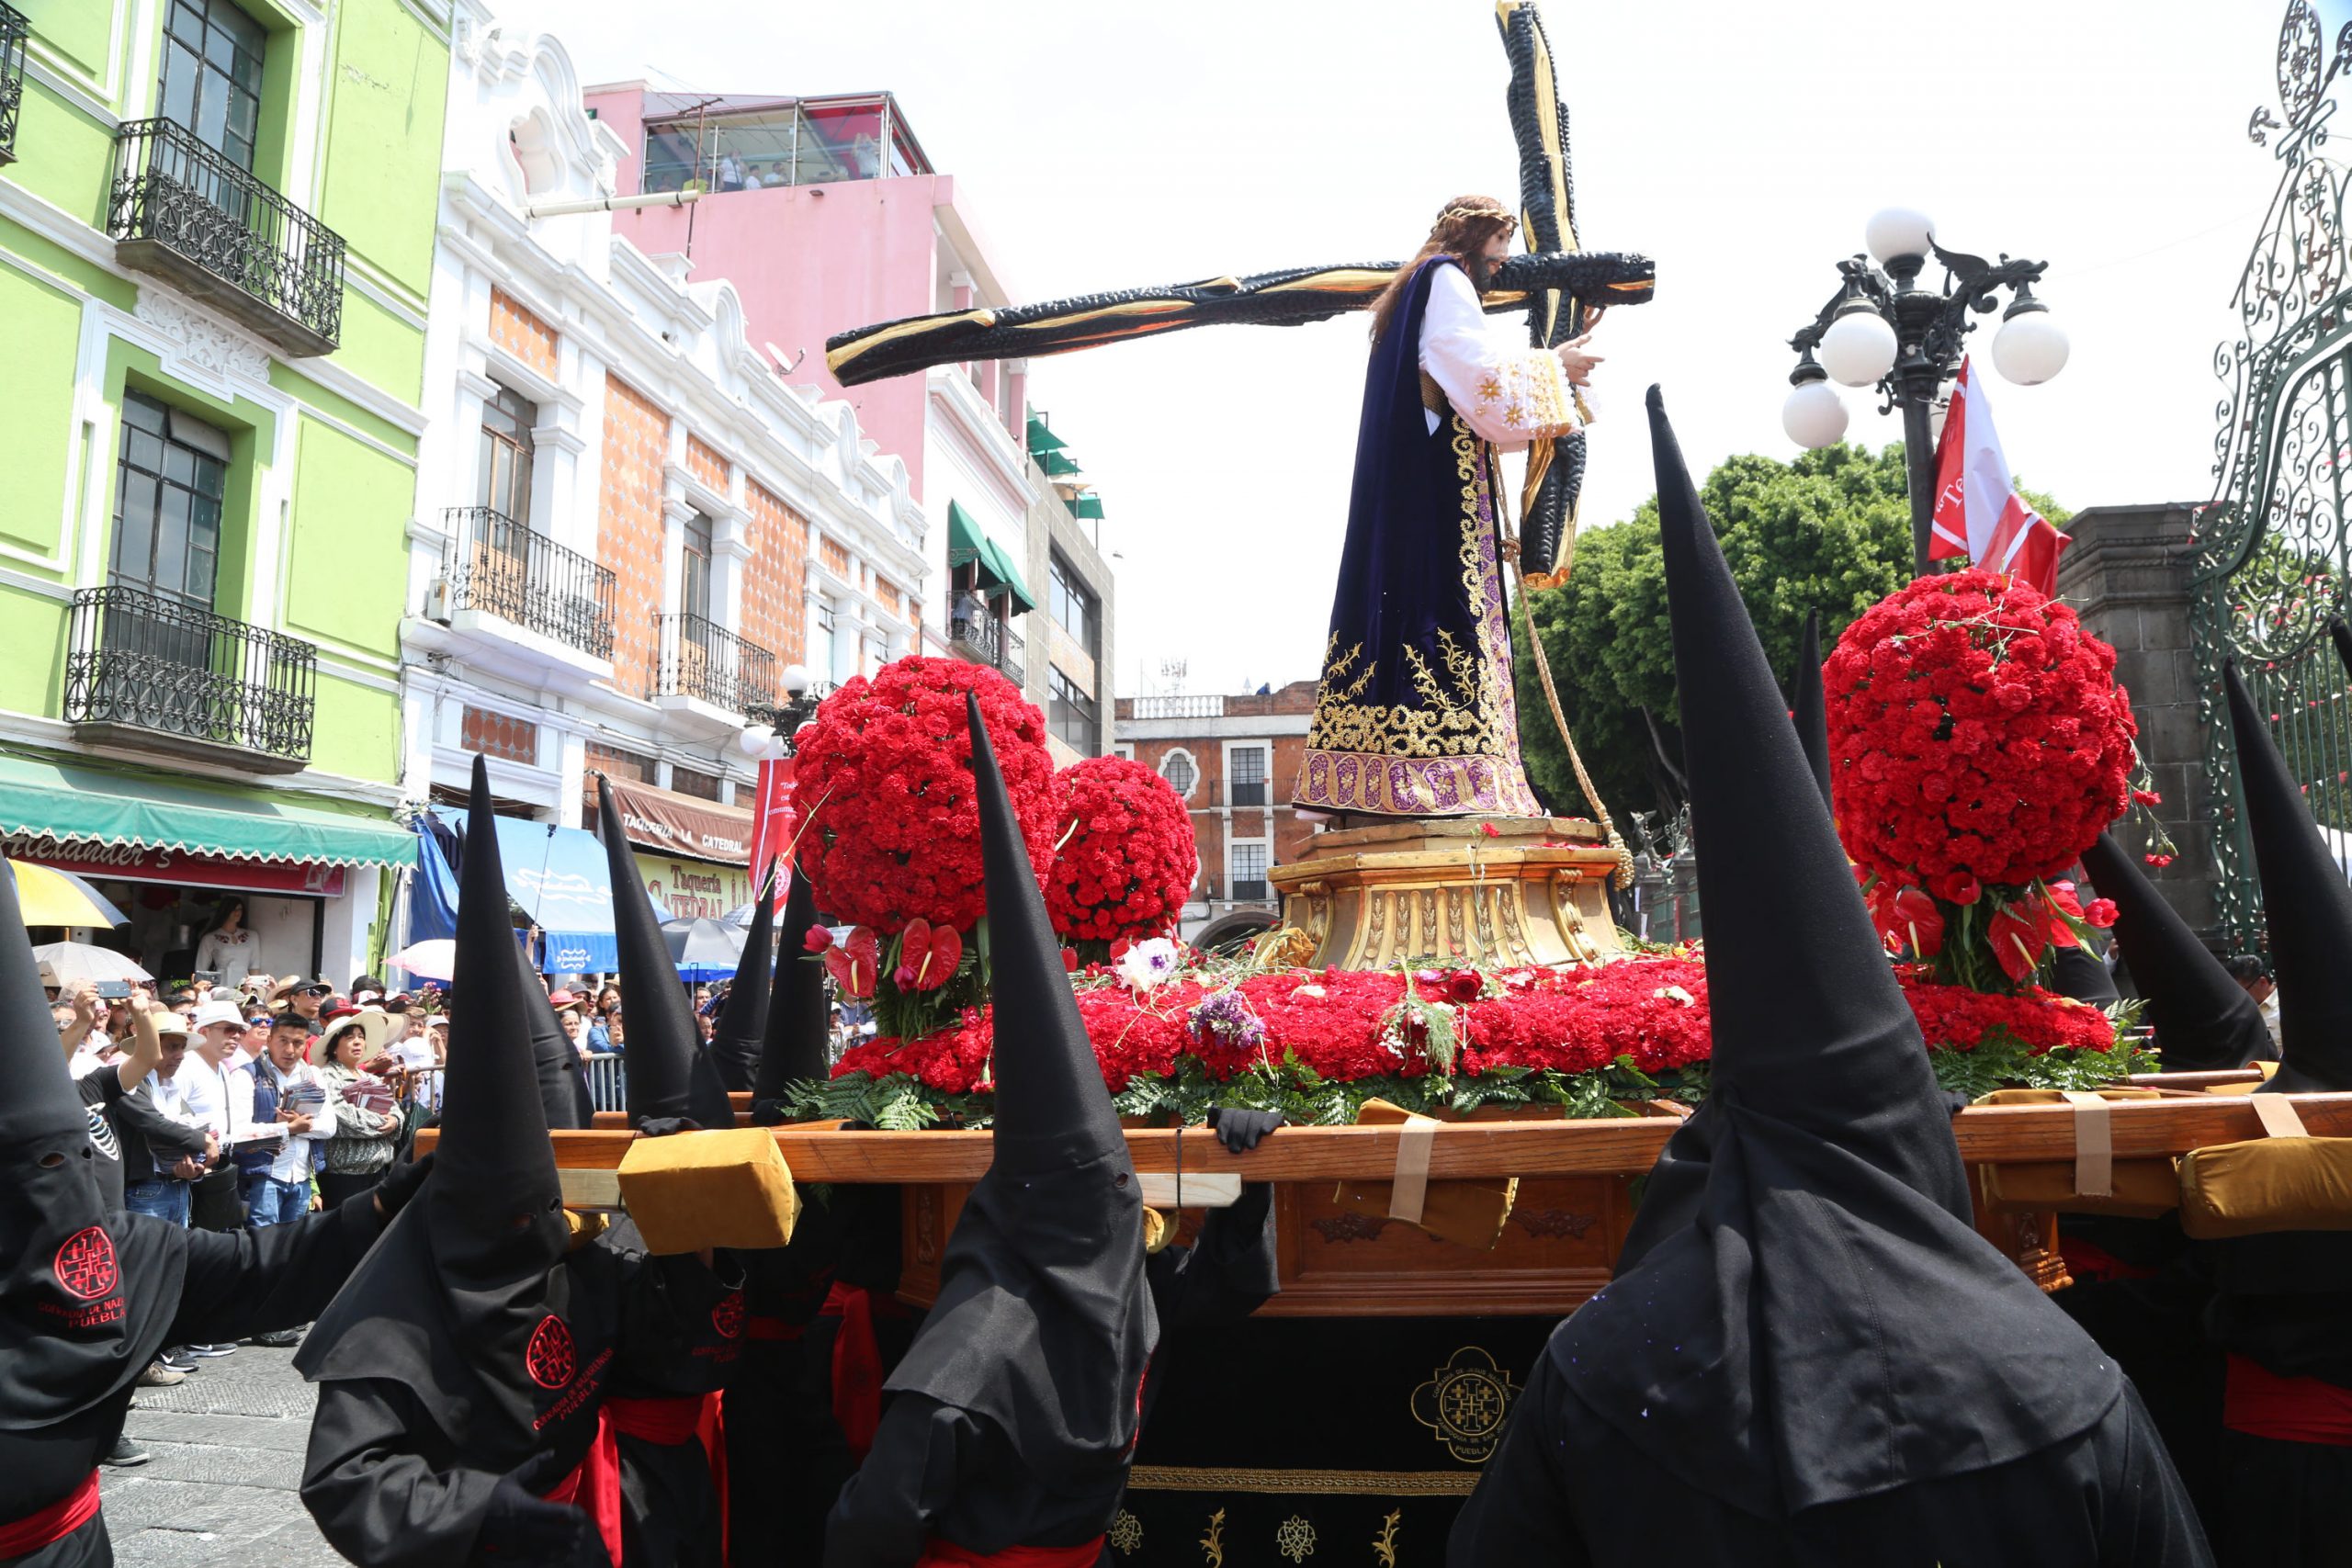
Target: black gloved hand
{"x": 767, "y": 1113}
{"x": 1239, "y": 1130}
{"x": 663, "y": 1126}
{"x": 401, "y": 1183}
{"x": 522, "y": 1527}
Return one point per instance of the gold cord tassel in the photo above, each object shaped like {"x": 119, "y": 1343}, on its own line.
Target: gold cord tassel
{"x": 1625, "y": 878}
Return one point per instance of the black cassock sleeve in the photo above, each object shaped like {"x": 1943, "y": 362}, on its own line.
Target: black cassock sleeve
{"x": 1226, "y": 1274}
{"x": 1520, "y": 1512}
{"x": 377, "y": 1499}
{"x": 921, "y": 1450}
{"x": 2149, "y": 1517}
{"x": 245, "y": 1282}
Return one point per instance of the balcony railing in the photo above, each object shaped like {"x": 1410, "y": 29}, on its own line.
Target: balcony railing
{"x": 14, "y": 30}
{"x": 1246, "y": 792}
{"x": 1011, "y": 658}
{"x": 183, "y": 210}
{"x": 1251, "y": 892}
{"x": 1179, "y": 707}
{"x": 146, "y": 671}
{"x": 984, "y": 639}
{"x": 702, "y": 660}
{"x": 498, "y": 567}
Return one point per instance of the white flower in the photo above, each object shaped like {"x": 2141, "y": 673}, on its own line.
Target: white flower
{"x": 1146, "y": 964}
{"x": 1675, "y": 994}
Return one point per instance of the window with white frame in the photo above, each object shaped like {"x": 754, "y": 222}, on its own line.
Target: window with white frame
{"x": 1246, "y": 775}
{"x": 1248, "y": 862}
{"x": 1181, "y": 771}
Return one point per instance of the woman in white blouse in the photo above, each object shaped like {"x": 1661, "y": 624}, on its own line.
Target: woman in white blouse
{"x": 228, "y": 948}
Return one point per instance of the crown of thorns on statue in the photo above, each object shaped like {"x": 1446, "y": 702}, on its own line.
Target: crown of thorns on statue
{"x": 1486, "y": 214}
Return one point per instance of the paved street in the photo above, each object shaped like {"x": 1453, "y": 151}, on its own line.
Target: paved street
{"x": 227, "y": 1454}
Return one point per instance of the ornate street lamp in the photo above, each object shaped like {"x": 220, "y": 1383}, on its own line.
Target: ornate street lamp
{"x": 1881, "y": 329}
{"x": 763, "y": 739}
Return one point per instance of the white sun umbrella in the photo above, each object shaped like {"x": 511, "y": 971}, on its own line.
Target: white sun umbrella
{"x": 435, "y": 958}
{"x": 66, "y": 962}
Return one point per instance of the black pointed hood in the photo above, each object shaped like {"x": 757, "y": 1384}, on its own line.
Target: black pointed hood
{"x": 86, "y": 1296}
{"x": 2306, "y": 908}
{"x": 1826, "y": 1324}
{"x": 793, "y": 1047}
{"x": 670, "y": 1074}
{"x": 2203, "y": 1020}
{"x": 1809, "y": 708}
{"x": 1043, "y": 1324}
{"x": 2341, "y": 635}
{"x": 449, "y": 1301}
{"x": 735, "y": 1047}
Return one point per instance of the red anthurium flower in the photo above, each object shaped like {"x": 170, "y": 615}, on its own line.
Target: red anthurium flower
{"x": 856, "y": 964}
{"x": 914, "y": 954}
{"x": 1959, "y": 888}
{"x": 946, "y": 953}
{"x": 1917, "y": 920}
{"x": 2018, "y": 942}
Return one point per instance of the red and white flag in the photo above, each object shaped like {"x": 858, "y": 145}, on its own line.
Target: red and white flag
{"x": 1978, "y": 511}
{"x": 774, "y": 823}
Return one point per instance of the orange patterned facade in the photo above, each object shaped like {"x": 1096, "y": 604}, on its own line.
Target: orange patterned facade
{"x": 773, "y": 578}
{"x": 836, "y": 557}
{"x": 515, "y": 328}
{"x": 629, "y": 525}
{"x": 706, "y": 464}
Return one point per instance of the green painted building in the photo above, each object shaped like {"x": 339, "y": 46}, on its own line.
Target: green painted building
{"x": 217, "y": 222}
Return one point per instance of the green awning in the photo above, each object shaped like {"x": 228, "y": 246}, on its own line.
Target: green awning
{"x": 966, "y": 542}
{"x": 1057, "y": 464}
{"x": 1042, "y": 439}
{"x": 95, "y": 805}
{"x": 1088, "y": 506}
{"x": 1008, "y": 580}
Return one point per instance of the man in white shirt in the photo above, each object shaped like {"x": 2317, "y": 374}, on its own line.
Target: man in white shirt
{"x": 288, "y": 1091}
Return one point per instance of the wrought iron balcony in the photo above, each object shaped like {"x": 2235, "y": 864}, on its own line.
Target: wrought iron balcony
{"x": 158, "y": 674}
{"x": 497, "y": 567}
{"x": 1251, "y": 891}
{"x": 984, "y": 639}
{"x": 14, "y": 30}
{"x": 1010, "y": 657}
{"x": 702, "y": 659}
{"x": 182, "y": 209}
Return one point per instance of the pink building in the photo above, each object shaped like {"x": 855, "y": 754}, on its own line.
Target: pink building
{"x": 825, "y": 214}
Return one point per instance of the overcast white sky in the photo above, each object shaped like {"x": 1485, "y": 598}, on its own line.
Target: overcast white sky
{"x": 1741, "y": 145}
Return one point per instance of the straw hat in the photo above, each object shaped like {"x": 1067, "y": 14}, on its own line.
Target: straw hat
{"x": 372, "y": 1023}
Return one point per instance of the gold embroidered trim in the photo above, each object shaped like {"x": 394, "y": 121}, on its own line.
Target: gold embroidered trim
{"x": 1297, "y": 1483}
{"x": 1464, "y": 708}
{"x": 1532, "y": 393}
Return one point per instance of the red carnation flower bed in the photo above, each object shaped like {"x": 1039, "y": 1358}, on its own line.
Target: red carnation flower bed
{"x": 1977, "y": 737}
{"x": 1654, "y": 1011}
{"x": 2042, "y": 1020}
{"x": 1127, "y": 858}
{"x": 885, "y": 781}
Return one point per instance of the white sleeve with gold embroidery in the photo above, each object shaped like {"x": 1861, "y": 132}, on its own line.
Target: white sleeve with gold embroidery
{"x": 1508, "y": 393}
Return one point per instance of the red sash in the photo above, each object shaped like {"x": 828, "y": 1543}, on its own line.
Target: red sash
{"x": 938, "y": 1554}
{"x": 686, "y": 1418}
{"x": 2088, "y": 1261}
{"x": 52, "y": 1524}
{"x": 857, "y": 1367}
{"x": 595, "y": 1485}
{"x": 2261, "y": 1404}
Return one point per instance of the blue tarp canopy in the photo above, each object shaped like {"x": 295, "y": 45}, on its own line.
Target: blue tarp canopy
{"x": 559, "y": 877}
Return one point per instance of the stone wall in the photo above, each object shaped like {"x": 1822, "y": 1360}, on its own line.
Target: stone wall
{"x": 2126, "y": 576}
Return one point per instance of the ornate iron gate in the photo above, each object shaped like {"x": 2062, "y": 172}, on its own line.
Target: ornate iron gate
{"x": 2272, "y": 551}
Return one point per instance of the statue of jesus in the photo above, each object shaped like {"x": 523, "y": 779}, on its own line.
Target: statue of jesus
{"x": 1415, "y": 714}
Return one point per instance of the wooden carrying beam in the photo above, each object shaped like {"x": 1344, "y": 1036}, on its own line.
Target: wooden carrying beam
{"x": 1987, "y": 1134}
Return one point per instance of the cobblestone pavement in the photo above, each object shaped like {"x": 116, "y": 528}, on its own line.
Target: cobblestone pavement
{"x": 228, "y": 1456}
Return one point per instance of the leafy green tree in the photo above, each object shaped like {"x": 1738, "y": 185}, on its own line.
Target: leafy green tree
{"x": 1831, "y": 530}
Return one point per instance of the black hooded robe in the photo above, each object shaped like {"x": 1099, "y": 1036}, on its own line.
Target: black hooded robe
{"x": 1808, "y": 1354}
{"x": 228, "y": 1285}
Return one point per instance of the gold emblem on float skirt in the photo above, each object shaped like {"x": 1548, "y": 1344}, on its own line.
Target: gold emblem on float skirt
{"x": 1464, "y": 1403}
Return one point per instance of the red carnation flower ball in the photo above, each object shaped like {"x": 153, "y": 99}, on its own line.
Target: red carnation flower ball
{"x": 1127, "y": 858}
{"x": 884, "y": 780}
{"x": 1977, "y": 736}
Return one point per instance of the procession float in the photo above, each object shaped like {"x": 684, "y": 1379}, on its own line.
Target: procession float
{"x": 1477, "y": 1068}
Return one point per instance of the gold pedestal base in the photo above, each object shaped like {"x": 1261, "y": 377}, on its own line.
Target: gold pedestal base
{"x": 1446, "y": 892}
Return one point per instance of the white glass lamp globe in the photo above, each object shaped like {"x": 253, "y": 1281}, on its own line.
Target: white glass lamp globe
{"x": 1859, "y": 348}
{"x": 1898, "y": 231}
{"x": 796, "y": 677}
{"x": 755, "y": 740}
{"x": 2029, "y": 348}
{"x": 1814, "y": 415}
